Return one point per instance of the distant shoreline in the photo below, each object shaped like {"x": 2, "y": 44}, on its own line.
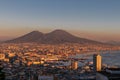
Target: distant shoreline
{"x": 95, "y": 52}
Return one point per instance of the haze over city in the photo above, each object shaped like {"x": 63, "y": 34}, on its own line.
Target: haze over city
{"x": 96, "y": 20}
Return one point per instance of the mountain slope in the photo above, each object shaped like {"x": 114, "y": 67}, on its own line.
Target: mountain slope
{"x": 30, "y": 37}
{"x": 113, "y": 42}
{"x": 55, "y": 37}
{"x": 61, "y": 36}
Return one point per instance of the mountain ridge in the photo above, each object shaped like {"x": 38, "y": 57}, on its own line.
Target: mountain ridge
{"x": 55, "y": 37}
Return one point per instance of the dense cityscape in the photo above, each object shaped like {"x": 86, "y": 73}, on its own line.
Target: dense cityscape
{"x": 32, "y": 61}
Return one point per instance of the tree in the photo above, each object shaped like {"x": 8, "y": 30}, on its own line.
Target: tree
{"x": 2, "y": 74}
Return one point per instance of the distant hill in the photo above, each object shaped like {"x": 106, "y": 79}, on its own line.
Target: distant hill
{"x": 54, "y": 37}
{"x": 113, "y": 42}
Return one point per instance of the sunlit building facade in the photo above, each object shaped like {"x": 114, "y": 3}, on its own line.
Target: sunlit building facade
{"x": 97, "y": 60}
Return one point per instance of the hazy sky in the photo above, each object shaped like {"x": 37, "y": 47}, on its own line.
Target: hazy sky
{"x": 94, "y": 19}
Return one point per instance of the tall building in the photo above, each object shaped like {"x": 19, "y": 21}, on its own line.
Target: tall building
{"x": 97, "y": 62}
{"x": 74, "y": 65}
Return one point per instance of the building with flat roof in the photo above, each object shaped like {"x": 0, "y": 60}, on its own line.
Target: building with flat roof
{"x": 97, "y": 60}
{"x": 74, "y": 65}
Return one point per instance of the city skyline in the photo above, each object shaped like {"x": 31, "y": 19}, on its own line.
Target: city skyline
{"x": 96, "y": 20}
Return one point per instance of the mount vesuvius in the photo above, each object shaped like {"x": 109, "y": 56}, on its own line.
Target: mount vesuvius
{"x": 54, "y": 37}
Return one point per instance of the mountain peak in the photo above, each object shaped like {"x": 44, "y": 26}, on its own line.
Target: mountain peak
{"x": 58, "y": 30}
{"x": 55, "y": 37}
{"x": 35, "y": 31}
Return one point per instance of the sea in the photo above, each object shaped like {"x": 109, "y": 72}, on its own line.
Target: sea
{"x": 109, "y": 58}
